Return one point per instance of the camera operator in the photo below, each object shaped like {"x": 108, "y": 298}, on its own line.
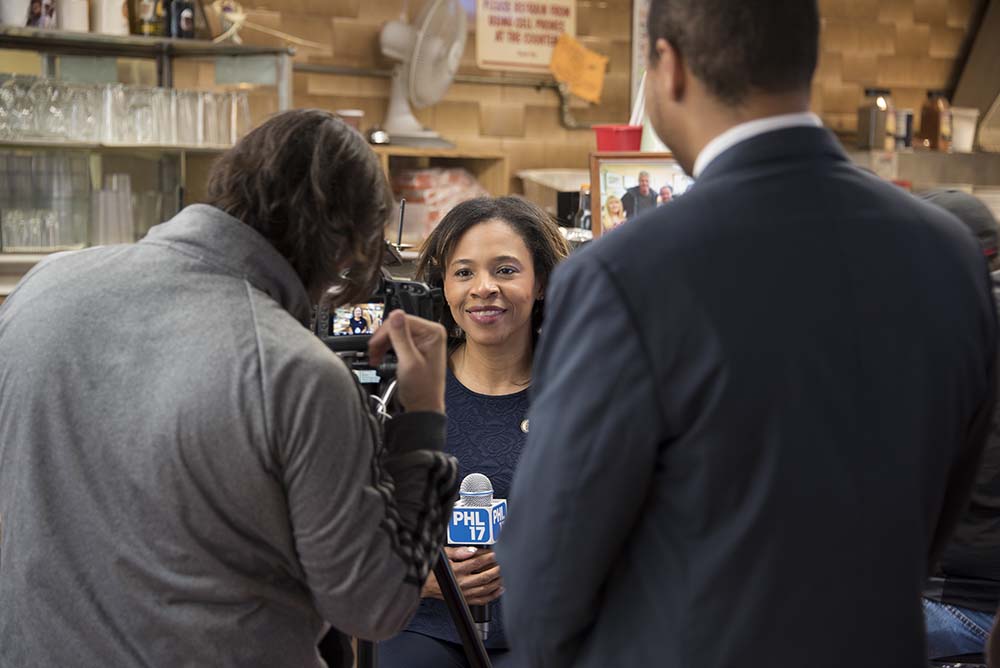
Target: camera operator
{"x": 187, "y": 475}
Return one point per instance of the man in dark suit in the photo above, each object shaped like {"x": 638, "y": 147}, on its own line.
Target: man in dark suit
{"x": 757, "y": 412}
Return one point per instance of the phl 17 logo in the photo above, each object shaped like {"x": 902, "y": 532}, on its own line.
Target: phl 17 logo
{"x": 477, "y": 525}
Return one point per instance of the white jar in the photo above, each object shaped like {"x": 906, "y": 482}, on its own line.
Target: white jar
{"x": 109, "y": 17}
{"x": 74, "y": 15}
{"x": 14, "y": 12}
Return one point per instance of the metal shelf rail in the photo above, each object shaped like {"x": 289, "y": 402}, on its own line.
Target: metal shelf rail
{"x": 163, "y": 50}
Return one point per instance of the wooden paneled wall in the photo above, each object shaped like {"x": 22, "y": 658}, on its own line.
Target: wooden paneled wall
{"x": 522, "y": 122}
{"x": 906, "y": 45}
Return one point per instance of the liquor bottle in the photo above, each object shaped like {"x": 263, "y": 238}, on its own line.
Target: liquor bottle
{"x": 935, "y": 122}
{"x": 182, "y": 19}
{"x": 149, "y": 18}
{"x": 877, "y": 121}
{"x": 582, "y": 218}
{"x": 582, "y": 229}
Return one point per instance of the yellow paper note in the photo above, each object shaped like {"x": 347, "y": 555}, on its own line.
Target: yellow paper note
{"x": 578, "y": 67}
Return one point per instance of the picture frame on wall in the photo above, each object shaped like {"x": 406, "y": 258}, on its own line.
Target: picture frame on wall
{"x": 623, "y": 184}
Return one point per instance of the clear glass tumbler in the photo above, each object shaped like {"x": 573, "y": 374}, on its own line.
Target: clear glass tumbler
{"x": 140, "y": 114}
{"x": 239, "y": 102}
{"x": 20, "y": 108}
{"x": 187, "y": 104}
{"x": 83, "y": 113}
{"x": 114, "y": 120}
{"x": 48, "y": 98}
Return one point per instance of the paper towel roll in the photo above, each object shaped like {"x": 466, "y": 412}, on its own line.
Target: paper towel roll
{"x": 74, "y": 15}
{"x": 109, "y": 17}
{"x": 14, "y": 12}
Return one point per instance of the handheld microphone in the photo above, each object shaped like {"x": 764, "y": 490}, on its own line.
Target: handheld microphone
{"x": 476, "y": 521}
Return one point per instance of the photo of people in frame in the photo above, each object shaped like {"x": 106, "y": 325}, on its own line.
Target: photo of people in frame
{"x": 41, "y": 14}
{"x": 629, "y": 186}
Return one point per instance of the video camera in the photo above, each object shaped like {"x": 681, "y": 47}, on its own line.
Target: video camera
{"x": 347, "y": 329}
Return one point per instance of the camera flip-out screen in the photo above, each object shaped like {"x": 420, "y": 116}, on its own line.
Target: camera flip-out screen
{"x": 357, "y": 319}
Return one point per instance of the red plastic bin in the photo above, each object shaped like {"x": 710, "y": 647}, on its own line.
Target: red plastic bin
{"x": 618, "y": 137}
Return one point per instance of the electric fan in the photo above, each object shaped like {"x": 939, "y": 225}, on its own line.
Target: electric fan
{"x": 428, "y": 52}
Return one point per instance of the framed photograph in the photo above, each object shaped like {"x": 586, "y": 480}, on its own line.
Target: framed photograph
{"x": 624, "y": 184}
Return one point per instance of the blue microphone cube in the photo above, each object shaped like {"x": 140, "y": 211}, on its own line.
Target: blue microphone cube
{"x": 477, "y": 525}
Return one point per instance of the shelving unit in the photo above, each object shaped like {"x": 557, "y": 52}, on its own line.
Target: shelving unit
{"x": 267, "y": 66}
{"x": 52, "y": 43}
{"x": 489, "y": 168}
{"x": 13, "y": 266}
{"x": 206, "y": 149}
{"x": 925, "y": 168}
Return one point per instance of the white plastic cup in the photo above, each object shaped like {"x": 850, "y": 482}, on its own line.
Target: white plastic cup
{"x": 14, "y": 12}
{"x": 109, "y": 17}
{"x": 73, "y": 15}
{"x": 963, "y": 129}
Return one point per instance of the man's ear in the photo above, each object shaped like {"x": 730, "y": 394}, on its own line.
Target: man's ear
{"x": 670, "y": 70}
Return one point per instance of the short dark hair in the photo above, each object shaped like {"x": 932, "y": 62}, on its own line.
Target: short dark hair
{"x": 536, "y": 228}
{"x": 735, "y": 46}
{"x": 312, "y": 186}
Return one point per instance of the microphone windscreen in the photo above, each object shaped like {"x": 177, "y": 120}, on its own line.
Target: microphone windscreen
{"x": 476, "y": 491}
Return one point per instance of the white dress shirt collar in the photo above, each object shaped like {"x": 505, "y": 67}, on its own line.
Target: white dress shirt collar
{"x": 744, "y": 131}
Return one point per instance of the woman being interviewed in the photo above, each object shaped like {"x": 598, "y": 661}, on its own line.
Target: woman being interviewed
{"x": 493, "y": 258}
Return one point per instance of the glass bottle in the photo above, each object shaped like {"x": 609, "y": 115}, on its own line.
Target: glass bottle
{"x": 582, "y": 229}
{"x": 935, "y": 122}
{"x": 149, "y": 18}
{"x": 877, "y": 121}
{"x": 182, "y": 19}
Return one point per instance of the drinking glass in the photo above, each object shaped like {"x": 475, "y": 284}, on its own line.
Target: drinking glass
{"x": 16, "y": 101}
{"x": 29, "y": 230}
{"x": 83, "y": 108}
{"x": 211, "y": 114}
{"x": 165, "y": 123}
{"x": 116, "y": 214}
{"x": 5, "y": 106}
{"x": 112, "y": 218}
{"x": 5, "y": 180}
{"x": 48, "y": 99}
{"x": 140, "y": 115}
{"x": 22, "y": 193}
{"x": 187, "y": 113}
{"x": 114, "y": 128}
{"x": 43, "y": 186}
{"x": 50, "y": 229}
{"x": 101, "y": 217}
{"x": 148, "y": 210}
{"x": 239, "y": 119}
{"x": 12, "y": 230}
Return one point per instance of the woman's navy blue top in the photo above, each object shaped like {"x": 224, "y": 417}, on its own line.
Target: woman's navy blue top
{"x": 486, "y": 434}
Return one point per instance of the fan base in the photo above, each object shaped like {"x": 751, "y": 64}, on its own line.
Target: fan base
{"x": 419, "y": 141}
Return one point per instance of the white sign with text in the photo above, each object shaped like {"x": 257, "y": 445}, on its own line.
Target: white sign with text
{"x": 520, "y": 34}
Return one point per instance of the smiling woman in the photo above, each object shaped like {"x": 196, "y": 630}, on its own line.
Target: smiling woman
{"x": 509, "y": 223}
{"x": 493, "y": 258}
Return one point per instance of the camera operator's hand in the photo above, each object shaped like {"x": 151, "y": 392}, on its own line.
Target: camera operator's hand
{"x": 420, "y": 348}
{"x": 476, "y": 572}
